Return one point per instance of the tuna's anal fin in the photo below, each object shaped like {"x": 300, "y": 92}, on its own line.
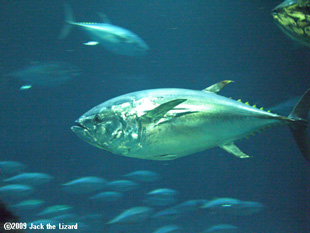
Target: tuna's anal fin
{"x": 215, "y": 88}
{"x": 157, "y": 113}
{"x": 233, "y": 149}
{"x": 299, "y": 124}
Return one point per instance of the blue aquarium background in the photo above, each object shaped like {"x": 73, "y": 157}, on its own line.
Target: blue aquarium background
{"x": 193, "y": 44}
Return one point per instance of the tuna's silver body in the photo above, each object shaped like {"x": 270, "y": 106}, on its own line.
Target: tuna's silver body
{"x": 116, "y": 39}
{"x": 128, "y": 125}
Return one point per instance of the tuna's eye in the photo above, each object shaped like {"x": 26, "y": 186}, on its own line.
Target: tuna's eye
{"x": 97, "y": 119}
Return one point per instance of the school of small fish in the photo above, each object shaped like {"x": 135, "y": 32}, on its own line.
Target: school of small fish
{"x": 158, "y": 205}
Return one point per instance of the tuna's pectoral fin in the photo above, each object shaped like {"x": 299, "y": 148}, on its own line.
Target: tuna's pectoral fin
{"x": 157, "y": 113}
{"x": 233, "y": 149}
{"x": 217, "y": 86}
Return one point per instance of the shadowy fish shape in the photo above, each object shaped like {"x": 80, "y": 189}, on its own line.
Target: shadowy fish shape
{"x": 233, "y": 206}
{"x": 30, "y": 178}
{"x": 161, "y": 197}
{"x": 293, "y": 18}
{"x": 191, "y": 205}
{"x": 107, "y": 196}
{"x": 15, "y": 191}
{"x": 86, "y": 184}
{"x": 169, "y": 229}
{"x": 10, "y": 167}
{"x": 169, "y": 123}
{"x": 122, "y": 185}
{"x": 221, "y": 228}
{"x": 45, "y": 74}
{"x": 143, "y": 176}
{"x": 168, "y": 214}
{"x": 27, "y": 205}
{"x": 222, "y": 205}
{"x": 115, "y": 39}
{"x": 55, "y": 210}
{"x": 133, "y": 215}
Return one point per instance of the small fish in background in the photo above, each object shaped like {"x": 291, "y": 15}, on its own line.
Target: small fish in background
{"x": 45, "y": 74}
{"x": 161, "y": 197}
{"x": 14, "y": 191}
{"x": 122, "y": 185}
{"x": 169, "y": 229}
{"x": 168, "y": 214}
{"x": 30, "y": 178}
{"x": 222, "y": 228}
{"x": 107, "y": 196}
{"x": 55, "y": 210}
{"x": 293, "y": 18}
{"x": 84, "y": 185}
{"x": 133, "y": 215}
{"x": 233, "y": 206}
{"x": 8, "y": 168}
{"x": 222, "y": 205}
{"x": 115, "y": 39}
{"x": 143, "y": 176}
{"x": 27, "y": 205}
{"x": 190, "y": 205}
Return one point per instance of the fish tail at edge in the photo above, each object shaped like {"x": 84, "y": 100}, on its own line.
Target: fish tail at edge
{"x": 300, "y": 124}
{"x": 69, "y": 19}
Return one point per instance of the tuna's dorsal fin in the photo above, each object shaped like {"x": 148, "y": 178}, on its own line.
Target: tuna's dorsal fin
{"x": 215, "y": 88}
{"x": 157, "y": 113}
{"x": 233, "y": 149}
{"x": 104, "y": 18}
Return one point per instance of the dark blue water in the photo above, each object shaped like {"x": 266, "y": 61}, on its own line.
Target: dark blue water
{"x": 193, "y": 45}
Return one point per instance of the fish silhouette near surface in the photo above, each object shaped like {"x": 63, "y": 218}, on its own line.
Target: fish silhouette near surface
{"x": 165, "y": 124}
{"x": 115, "y": 39}
{"x": 51, "y": 73}
{"x": 293, "y": 18}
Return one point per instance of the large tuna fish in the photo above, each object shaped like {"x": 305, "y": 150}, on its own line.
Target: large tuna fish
{"x": 165, "y": 124}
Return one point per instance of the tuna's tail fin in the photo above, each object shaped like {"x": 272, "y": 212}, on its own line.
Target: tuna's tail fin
{"x": 299, "y": 127}
{"x": 69, "y": 19}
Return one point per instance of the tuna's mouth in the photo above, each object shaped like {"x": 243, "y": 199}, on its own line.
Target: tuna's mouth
{"x": 78, "y": 124}
{"x": 78, "y": 128}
